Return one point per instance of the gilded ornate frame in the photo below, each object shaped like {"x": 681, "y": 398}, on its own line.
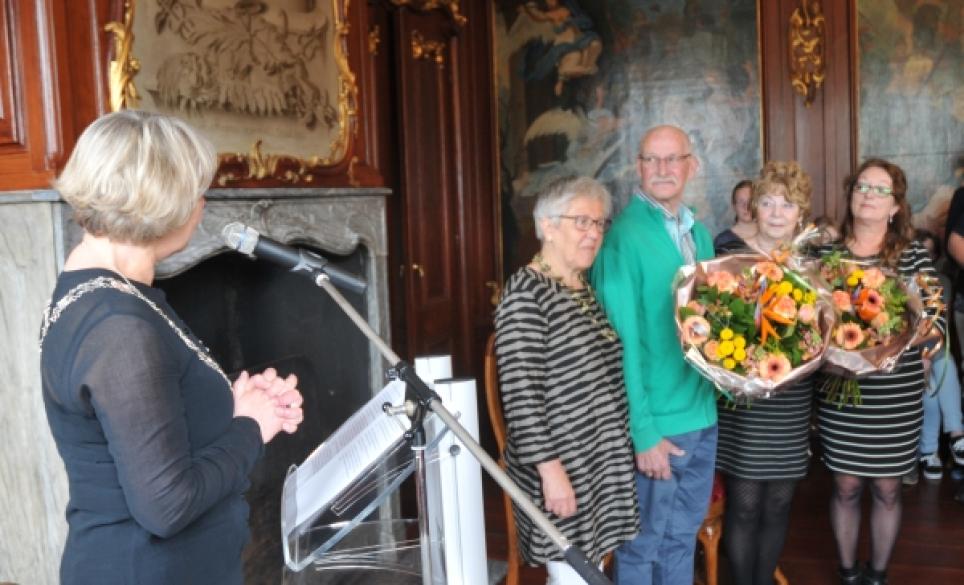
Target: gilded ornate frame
{"x": 254, "y": 165}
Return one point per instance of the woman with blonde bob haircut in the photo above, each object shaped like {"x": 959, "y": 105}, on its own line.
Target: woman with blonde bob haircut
{"x": 156, "y": 441}
{"x": 136, "y": 176}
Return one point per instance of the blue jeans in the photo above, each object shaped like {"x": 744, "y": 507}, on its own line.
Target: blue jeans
{"x": 671, "y": 512}
{"x": 945, "y": 401}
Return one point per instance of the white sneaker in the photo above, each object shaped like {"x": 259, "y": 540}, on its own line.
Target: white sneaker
{"x": 957, "y": 450}
{"x": 932, "y": 466}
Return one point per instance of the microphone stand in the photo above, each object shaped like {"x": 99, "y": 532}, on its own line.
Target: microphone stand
{"x": 425, "y": 399}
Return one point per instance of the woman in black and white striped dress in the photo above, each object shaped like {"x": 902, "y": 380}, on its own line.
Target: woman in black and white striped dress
{"x": 764, "y": 445}
{"x": 560, "y": 372}
{"x": 875, "y": 443}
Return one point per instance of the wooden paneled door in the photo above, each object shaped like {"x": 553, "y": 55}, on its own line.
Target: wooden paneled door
{"x": 428, "y": 181}
{"x": 446, "y": 225}
{"x": 821, "y": 136}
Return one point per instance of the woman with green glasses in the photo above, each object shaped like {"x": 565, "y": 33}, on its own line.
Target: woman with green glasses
{"x": 875, "y": 443}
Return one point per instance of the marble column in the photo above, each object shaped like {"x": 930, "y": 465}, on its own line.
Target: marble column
{"x": 33, "y": 485}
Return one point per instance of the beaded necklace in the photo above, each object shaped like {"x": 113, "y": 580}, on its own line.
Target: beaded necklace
{"x": 584, "y": 302}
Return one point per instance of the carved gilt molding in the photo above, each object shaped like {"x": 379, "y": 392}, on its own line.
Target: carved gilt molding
{"x": 451, "y": 6}
{"x": 123, "y": 67}
{"x": 338, "y": 115}
{"x": 427, "y": 50}
{"x": 807, "y": 50}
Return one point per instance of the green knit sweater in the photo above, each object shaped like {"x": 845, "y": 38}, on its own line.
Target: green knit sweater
{"x": 632, "y": 275}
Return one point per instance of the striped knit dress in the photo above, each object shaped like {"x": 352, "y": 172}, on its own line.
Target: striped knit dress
{"x": 879, "y": 438}
{"x": 563, "y": 397}
{"x": 767, "y": 438}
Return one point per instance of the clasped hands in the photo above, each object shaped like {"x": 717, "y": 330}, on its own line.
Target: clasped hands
{"x": 272, "y": 401}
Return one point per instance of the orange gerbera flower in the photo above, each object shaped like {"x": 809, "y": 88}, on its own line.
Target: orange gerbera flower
{"x": 696, "y": 330}
{"x": 724, "y": 281}
{"x": 769, "y": 270}
{"x": 849, "y": 336}
{"x": 873, "y": 278}
{"x": 869, "y": 304}
{"x": 775, "y": 366}
{"x": 709, "y": 350}
{"x": 841, "y": 300}
{"x": 785, "y": 307}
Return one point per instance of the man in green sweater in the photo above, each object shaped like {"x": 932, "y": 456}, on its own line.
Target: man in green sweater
{"x": 672, "y": 410}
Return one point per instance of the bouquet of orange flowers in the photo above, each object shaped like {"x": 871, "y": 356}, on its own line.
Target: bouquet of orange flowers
{"x": 878, "y": 316}
{"x": 749, "y": 324}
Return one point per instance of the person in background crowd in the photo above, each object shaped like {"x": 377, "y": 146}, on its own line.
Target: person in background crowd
{"x": 875, "y": 443}
{"x": 764, "y": 445}
{"x": 672, "y": 408}
{"x": 942, "y": 400}
{"x": 560, "y": 373}
{"x": 744, "y": 226}
{"x": 156, "y": 441}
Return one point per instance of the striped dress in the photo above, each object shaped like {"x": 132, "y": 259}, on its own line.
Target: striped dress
{"x": 880, "y": 437}
{"x": 563, "y": 397}
{"x": 767, "y": 438}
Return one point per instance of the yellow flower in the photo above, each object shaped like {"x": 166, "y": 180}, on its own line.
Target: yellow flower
{"x": 739, "y": 342}
{"x": 725, "y": 348}
{"x": 857, "y": 273}
{"x": 729, "y": 364}
{"x": 739, "y": 354}
{"x": 727, "y": 333}
{"x": 784, "y": 288}
{"x": 810, "y": 297}
{"x": 797, "y": 294}
{"x": 852, "y": 280}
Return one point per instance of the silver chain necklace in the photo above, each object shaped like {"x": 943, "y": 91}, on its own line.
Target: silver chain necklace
{"x": 53, "y": 312}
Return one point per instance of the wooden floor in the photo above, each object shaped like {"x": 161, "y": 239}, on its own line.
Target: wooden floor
{"x": 930, "y": 550}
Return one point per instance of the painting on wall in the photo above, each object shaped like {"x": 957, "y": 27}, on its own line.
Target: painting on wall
{"x": 255, "y": 77}
{"x": 911, "y": 88}
{"x": 578, "y": 82}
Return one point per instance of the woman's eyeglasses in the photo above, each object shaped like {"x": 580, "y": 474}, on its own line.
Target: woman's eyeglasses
{"x": 584, "y": 222}
{"x": 878, "y": 190}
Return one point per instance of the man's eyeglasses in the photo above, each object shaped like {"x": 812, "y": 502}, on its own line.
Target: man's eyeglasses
{"x": 584, "y": 222}
{"x": 879, "y": 190}
{"x": 673, "y": 161}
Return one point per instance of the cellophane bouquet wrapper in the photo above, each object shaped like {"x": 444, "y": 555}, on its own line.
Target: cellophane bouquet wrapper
{"x": 921, "y": 293}
{"x": 750, "y": 384}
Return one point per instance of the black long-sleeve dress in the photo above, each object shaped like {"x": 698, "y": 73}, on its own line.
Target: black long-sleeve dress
{"x": 155, "y": 460}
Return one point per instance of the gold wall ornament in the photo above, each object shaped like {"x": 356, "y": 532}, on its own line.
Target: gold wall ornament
{"x": 374, "y": 38}
{"x": 260, "y": 166}
{"x": 234, "y": 71}
{"x": 428, "y": 50}
{"x": 807, "y": 50}
{"x": 452, "y": 6}
{"x": 124, "y": 66}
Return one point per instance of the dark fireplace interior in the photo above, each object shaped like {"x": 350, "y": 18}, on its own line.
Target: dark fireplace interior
{"x": 254, "y": 315}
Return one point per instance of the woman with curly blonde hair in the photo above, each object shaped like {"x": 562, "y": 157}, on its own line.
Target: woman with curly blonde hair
{"x": 764, "y": 447}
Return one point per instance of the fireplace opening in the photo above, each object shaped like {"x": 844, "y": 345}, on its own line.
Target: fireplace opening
{"x": 253, "y": 315}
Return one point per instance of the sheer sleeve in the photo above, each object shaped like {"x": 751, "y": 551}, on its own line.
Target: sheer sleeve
{"x": 133, "y": 377}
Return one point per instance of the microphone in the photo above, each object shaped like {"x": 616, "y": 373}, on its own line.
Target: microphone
{"x": 249, "y": 242}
